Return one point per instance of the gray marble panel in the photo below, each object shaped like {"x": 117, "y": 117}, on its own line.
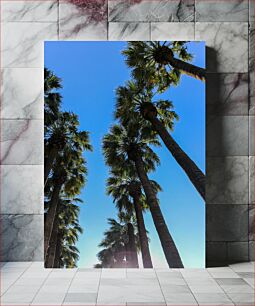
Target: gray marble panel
{"x": 22, "y": 189}
{"x": 213, "y": 10}
{"x": 251, "y": 69}
{"x": 216, "y": 252}
{"x": 251, "y": 180}
{"x": 151, "y": 10}
{"x": 251, "y": 250}
{"x": 251, "y": 10}
{"x": 251, "y": 222}
{"x": 237, "y": 252}
{"x": 227, "y": 135}
{"x": 23, "y": 43}
{"x": 80, "y": 20}
{"x": 251, "y": 135}
{"x": 22, "y": 93}
{"x": 22, "y": 237}
{"x": 227, "y": 180}
{"x": 227, "y": 94}
{"x": 227, "y": 223}
{"x": 183, "y": 31}
{"x": 227, "y": 45}
{"x": 129, "y": 31}
{"x": 23, "y": 10}
{"x": 22, "y": 142}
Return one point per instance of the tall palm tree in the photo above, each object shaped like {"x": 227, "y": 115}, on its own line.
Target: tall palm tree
{"x": 66, "y": 228}
{"x": 131, "y": 144}
{"x": 136, "y": 103}
{"x": 162, "y": 61}
{"x": 63, "y": 135}
{"x": 69, "y": 177}
{"x": 126, "y": 191}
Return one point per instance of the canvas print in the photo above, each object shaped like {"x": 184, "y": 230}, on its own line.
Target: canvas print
{"x": 124, "y": 149}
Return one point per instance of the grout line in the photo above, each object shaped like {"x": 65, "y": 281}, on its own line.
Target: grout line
{"x": 15, "y": 280}
{"x": 101, "y": 270}
{"x": 69, "y": 286}
{"x": 40, "y": 286}
{"x": 189, "y": 288}
{"x": 160, "y": 286}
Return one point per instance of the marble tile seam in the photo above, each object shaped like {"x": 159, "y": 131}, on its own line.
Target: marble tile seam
{"x": 15, "y": 279}
{"x": 46, "y": 278}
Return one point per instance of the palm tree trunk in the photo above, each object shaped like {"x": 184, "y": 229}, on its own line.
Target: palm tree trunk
{"x": 49, "y": 162}
{"x": 196, "y": 176}
{"x": 187, "y": 68}
{"x": 132, "y": 247}
{"x": 49, "y": 263}
{"x": 50, "y": 216}
{"x": 146, "y": 256}
{"x": 171, "y": 253}
{"x": 57, "y": 253}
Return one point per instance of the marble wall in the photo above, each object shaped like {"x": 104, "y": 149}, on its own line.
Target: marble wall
{"x": 227, "y": 27}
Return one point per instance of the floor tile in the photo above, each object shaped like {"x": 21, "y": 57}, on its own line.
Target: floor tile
{"x": 180, "y": 299}
{"x": 205, "y": 289}
{"x": 81, "y": 298}
{"x": 242, "y": 299}
{"x": 237, "y": 289}
{"x": 243, "y": 267}
{"x": 175, "y": 289}
{"x": 230, "y": 281}
{"x": 213, "y": 299}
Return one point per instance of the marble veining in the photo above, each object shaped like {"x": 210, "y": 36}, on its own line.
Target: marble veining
{"x": 227, "y": 136}
{"x": 227, "y": 94}
{"x": 251, "y": 69}
{"x": 227, "y": 223}
{"x": 22, "y": 237}
{"x": 22, "y": 43}
{"x": 22, "y": 93}
{"x": 251, "y": 222}
{"x": 238, "y": 252}
{"x": 213, "y": 10}
{"x": 129, "y": 31}
{"x": 227, "y": 45}
{"x": 251, "y": 180}
{"x": 22, "y": 189}
{"x": 172, "y": 31}
{"x": 151, "y": 10}
{"x": 230, "y": 176}
{"x": 81, "y": 20}
{"x": 22, "y": 142}
{"x": 24, "y": 11}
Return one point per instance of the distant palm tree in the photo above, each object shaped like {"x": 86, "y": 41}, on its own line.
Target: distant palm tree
{"x": 161, "y": 62}
{"x": 117, "y": 242}
{"x": 131, "y": 144}
{"x": 136, "y": 103}
{"x": 126, "y": 191}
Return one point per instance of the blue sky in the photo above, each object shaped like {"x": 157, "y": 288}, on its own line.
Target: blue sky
{"x": 91, "y": 71}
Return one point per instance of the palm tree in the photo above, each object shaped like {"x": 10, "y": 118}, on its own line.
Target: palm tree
{"x": 66, "y": 228}
{"x": 132, "y": 243}
{"x": 131, "y": 144}
{"x": 68, "y": 176}
{"x": 136, "y": 103}
{"x": 119, "y": 242}
{"x": 63, "y": 135}
{"x": 126, "y": 191}
{"x": 161, "y": 61}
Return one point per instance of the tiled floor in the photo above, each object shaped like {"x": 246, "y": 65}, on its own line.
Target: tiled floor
{"x": 27, "y": 283}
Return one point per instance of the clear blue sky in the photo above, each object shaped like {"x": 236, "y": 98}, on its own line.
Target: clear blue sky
{"x": 91, "y": 71}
